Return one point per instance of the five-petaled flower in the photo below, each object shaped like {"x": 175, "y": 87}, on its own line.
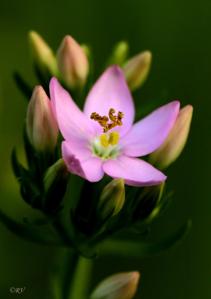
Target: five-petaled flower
{"x": 103, "y": 139}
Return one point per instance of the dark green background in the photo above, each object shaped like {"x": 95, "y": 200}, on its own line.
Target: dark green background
{"x": 179, "y": 35}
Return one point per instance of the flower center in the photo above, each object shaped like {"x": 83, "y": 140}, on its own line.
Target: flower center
{"x": 106, "y": 145}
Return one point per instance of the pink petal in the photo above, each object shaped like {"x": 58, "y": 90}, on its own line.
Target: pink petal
{"x": 71, "y": 120}
{"x": 150, "y": 132}
{"x": 111, "y": 91}
{"x": 134, "y": 171}
{"x": 80, "y": 161}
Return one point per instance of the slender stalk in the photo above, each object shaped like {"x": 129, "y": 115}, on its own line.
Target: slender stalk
{"x": 62, "y": 273}
{"x": 81, "y": 279}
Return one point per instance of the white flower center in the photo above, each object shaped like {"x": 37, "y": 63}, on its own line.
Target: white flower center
{"x": 106, "y": 146}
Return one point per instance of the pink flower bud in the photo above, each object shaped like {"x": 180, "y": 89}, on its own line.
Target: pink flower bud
{"x": 72, "y": 63}
{"x": 137, "y": 68}
{"x": 42, "y": 129}
{"x": 118, "y": 286}
{"x": 172, "y": 147}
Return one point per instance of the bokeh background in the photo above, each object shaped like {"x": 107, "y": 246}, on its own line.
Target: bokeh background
{"x": 178, "y": 33}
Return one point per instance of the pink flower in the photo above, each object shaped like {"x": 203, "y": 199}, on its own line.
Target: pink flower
{"x": 100, "y": 141}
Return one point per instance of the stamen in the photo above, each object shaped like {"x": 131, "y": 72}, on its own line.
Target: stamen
{"x": 114, "y": 138}
{"x": 104, "y": 140}
{"x": 111, "y": 139}
{"x": 116, "y": 120}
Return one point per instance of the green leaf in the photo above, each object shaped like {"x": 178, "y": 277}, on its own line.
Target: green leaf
{"x": 42, "y": 234}
{"x": 142, "y": 249}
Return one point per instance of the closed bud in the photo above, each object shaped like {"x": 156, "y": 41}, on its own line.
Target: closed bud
{"x": 112, "y": 199}
{"x": 55, "y": 184}
{"x": 43, "y": 55}
{"x": 73, "y": 63}
{"x": 149, "y": 200}
{"x": 41, "y": 126}
{"x": 120, "y": 53}
{"x": 172, "y": 147}
{"x": 54, "y": 174}
{"x": 118, "y": 286}
{"x": 137, "y": 68}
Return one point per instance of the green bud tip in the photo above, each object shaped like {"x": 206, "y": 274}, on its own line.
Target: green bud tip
{"x": 55, "y": 173}
{"x": 137, "y": 68}
{"x": 119, "y": 53}
{"x": 112, "y": 199}
{"x": 42, "y": 54}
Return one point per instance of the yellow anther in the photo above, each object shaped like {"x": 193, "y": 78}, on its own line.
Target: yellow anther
{"x": 104, "y": 140}
{"x": 113, "y": 138}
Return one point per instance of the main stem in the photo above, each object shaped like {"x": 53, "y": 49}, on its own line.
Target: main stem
{"x": 81, "y": 279}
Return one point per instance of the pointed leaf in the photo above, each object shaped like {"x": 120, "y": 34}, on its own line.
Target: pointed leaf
{"x": 141, "y": 249}
{"x": 43, "y": 235}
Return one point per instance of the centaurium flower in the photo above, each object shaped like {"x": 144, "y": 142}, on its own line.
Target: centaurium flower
{"x": 103, "y": 139}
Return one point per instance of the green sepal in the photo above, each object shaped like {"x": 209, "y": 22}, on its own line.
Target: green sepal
{"x": 17, "y": 167}
{"x": 30, "y": 190}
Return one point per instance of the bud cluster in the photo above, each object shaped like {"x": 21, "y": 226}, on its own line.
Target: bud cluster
{"x": 81, "y": 213}
{"x": 70, "y": 63}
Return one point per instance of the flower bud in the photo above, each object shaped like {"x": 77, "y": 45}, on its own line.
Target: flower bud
{"x": 148, "y": 202}
{"x": 112, "y": 199}
{"x": 55, "y": 184}
{"x": 41, "y": 126}
{"x": 118, "y": 286}
{"x": 73, "y": 63}
{"x": 172, "y": 147}
{"x": 43, "y": 55}
{"x": 137, "y": 68}
{"x": 120, "y": 53}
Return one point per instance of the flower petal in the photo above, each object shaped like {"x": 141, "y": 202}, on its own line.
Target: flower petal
{"x": 134, "y": 171}
{"x": 80, "y": 161}
{"x": 71, "y": 120}
{"x": 150, "y": 132}
{"x": 111, "y": 91}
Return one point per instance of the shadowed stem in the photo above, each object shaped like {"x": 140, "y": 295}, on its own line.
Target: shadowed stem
{"x": 70, "y": 276}
{"x": 80, "y": 279}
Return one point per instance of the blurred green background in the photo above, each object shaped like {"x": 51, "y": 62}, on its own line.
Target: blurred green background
{"x": 179, "y": 35}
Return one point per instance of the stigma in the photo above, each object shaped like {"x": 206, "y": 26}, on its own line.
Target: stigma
{"x": 110, "y": 121}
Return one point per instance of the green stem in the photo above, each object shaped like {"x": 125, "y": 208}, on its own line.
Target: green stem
{"x": 81, "y": 279}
